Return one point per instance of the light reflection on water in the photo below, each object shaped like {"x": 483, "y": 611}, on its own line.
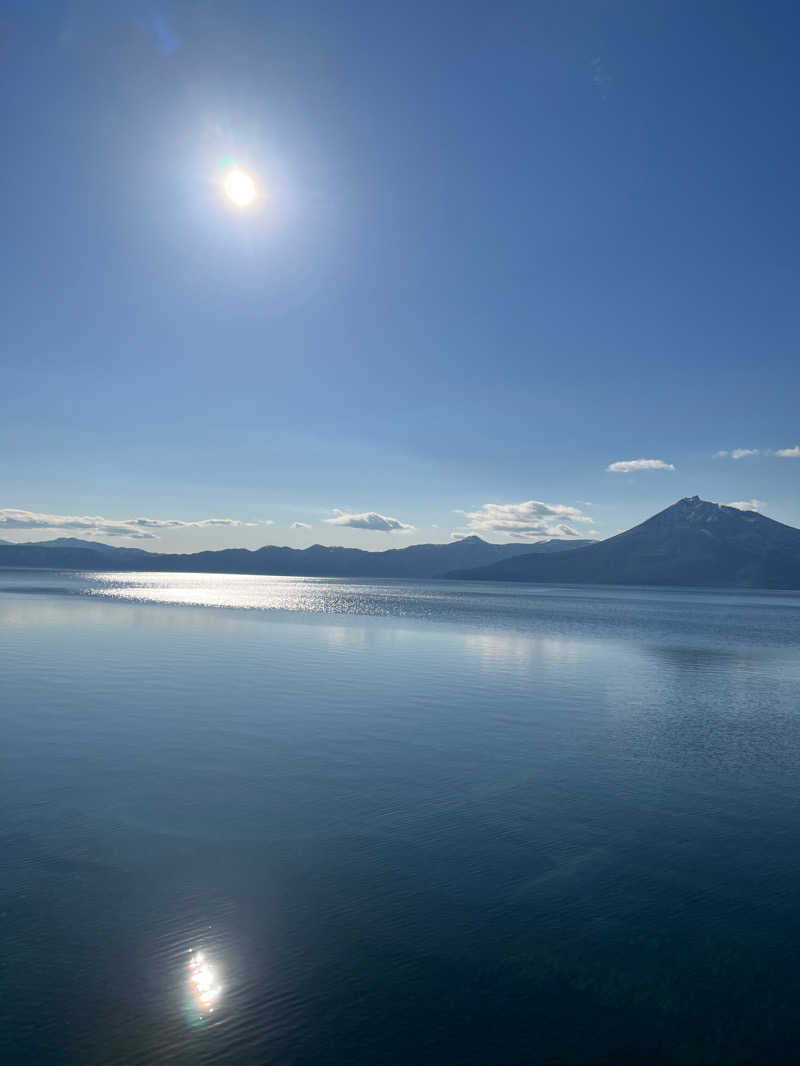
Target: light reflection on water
{"x": 737, "y": 618}
{"x": 520, "y": 650}
{"x": 203, "y": 982}
{"x": 258, "y": 592}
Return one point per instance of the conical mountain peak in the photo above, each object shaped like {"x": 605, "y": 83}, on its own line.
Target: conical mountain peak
{"x": 692, "y": 542}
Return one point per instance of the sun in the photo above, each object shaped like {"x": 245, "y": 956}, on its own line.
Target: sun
{"x": 239, "y": 187}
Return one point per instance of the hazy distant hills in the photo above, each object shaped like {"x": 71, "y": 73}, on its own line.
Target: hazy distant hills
{"x": 693, "y": 542}
{"x": 416, "y": 561}
{"x": 74, "y": 542}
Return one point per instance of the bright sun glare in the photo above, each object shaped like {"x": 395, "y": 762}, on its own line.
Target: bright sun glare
{"x": 203, "y": 982}
{"x": 239, "y": 187}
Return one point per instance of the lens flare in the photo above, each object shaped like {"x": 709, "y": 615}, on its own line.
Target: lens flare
{"x": 203, "y": 982}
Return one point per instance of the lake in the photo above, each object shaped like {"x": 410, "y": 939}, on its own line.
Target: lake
{"x": 404, "y": 822}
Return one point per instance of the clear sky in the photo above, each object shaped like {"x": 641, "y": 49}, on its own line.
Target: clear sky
{"x": 496, "y": 248}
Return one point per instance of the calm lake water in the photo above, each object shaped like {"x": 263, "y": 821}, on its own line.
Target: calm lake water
{"x": 438, "y": 823}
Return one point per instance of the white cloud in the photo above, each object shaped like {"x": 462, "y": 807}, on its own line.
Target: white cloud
{"x": 630, "y": 466}
{"x": 531, "y": 520}
{"x": 369, "y": 520}
{"x": 300, "y": 525}
{"x": 96, "y": 525}
{"x": 748, "y": 505}
{"x": 741, "y": 453}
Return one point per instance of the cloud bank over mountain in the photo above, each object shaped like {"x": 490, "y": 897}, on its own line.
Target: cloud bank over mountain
{"x": 748, "y": 505}
{"x": 95, "y": 525}
{"x": 530, "y": 520}
{"x": 379, "y": 523}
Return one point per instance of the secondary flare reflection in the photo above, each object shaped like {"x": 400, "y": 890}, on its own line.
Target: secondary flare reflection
{"x": 203, "y": 982}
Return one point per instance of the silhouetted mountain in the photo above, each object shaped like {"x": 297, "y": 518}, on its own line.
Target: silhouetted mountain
{"x": 693, "y": 542}
{"x": 416, "y": 561}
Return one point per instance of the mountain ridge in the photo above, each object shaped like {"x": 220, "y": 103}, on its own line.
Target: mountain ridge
{"x": 692, "y": 542}
{"x": 318, "y": 560}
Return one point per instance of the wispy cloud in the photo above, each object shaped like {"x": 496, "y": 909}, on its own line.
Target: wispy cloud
{"x": 630, "y": 466}
{"x": 748, "y": 505}
{"x": 742, "y": 453}
{"x": 739, "y": 453}
{"x": 300, "y": 525}
{"x": 96, "y": 525}
{"x": 530, "y": 520}
{"x": 380, "y": 523}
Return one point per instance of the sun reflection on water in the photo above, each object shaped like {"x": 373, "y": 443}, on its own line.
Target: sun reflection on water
{"x": 203, "y": 983}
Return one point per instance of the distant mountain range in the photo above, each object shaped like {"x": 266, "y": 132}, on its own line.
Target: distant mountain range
{"x": 74, "y": 542}
{"x": 417, "y": 561}
{"x": 693, "y": 542}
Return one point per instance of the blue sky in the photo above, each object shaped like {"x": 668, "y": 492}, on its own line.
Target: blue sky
{"x": 498, "y": 248}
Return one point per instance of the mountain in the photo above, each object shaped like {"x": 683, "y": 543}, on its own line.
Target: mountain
{"x": 693, "y": 542}
{"x": 416, "y": 561}
{"x": 74, "y": 542}
{"x": 547, "y": 547}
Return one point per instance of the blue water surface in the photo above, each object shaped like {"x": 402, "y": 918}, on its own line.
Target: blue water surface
{"x": 404, "y": 822}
